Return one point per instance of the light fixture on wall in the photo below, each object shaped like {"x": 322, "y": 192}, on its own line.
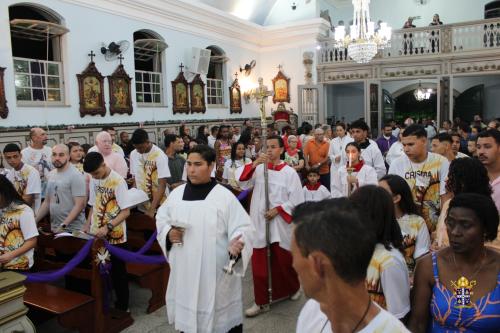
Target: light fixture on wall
{"x": 363, "y": 42}
{"x": 422, "y": 94}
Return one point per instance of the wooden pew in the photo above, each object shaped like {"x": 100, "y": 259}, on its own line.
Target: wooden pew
{"x": 73, "y": 310}
{"x": 152, "y": 277}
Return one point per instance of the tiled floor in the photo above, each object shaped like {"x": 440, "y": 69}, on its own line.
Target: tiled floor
{"x": 281, "y": 319}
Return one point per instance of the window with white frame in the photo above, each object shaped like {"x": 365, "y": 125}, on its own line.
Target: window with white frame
{"x": 148, "y": 49}
{"x": 36, "y": 48}
{"x": 38, "y": 80}
{"x": 215, "y": 77}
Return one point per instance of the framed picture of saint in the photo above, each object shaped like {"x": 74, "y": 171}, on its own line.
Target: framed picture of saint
{"x": 281, "y": 87}
{"x": 4, "y": 110}
{"x": 235, "y": 97}
{"x": 120, "y": 100}
{"x": 91, "y": 91}
{"x": 180, "y": 97}
{"x": 197, "y": 94}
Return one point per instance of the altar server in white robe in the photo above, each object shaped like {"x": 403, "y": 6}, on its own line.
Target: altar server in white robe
{"x": 199, "y": 226}
{"x": 285, "y": 192}
{"x": 361, "y": 173}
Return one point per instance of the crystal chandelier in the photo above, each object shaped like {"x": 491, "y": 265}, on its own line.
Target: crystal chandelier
{"x": 363, "y": 42}
{"x": 422, "y": 94}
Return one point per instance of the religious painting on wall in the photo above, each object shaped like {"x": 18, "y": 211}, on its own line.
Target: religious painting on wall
{"x": 197, "y": 93}
{"x": 91, "y": 91}
{"x": 235, "y": 97}
{"x": 180, "y": 97}
{"x": 120, "y": 100}
{"x": 4, "y": 110}
{"x": 281, "y": 87}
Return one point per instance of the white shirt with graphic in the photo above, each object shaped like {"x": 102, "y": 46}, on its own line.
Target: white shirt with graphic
{"x": 147, "y": 169}
{"x": 27, "y": 181}
{"x": 107, "y": 197}
{"x": 427, "y": 181}
{"x": 17, "y": 224}
{"x": 41, "y": 160}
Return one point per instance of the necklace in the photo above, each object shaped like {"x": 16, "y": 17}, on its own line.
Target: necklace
{"x": 462, "y": 288}
{"x": 359, "y": 322}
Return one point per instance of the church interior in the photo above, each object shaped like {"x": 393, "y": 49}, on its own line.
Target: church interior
{"x": 72, "y": 67}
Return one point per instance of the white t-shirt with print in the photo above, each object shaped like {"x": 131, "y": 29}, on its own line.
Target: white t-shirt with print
{"x": 27, "y": 181}
{"x": 107, "y": 197}
{"x": 427, "y": 181}
{"x": 17, "y": 217}
{"x": 147, "y": 170}
{"x": 41, "y": 160}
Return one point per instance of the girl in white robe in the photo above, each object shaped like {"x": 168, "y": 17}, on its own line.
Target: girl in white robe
{"x": 362, "y": 174}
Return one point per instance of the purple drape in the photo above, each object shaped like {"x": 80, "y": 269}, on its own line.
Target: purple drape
{"x": 129, "y": 256}
{"x": 148, "y": 244}
{"x": 51, "y": 276}
{"x": 243, "y": 195}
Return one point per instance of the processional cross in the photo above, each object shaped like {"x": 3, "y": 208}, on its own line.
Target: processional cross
{"x": 261, "y": 94}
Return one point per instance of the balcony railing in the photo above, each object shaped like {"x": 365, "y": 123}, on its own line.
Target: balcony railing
{"x": 427, "y": 41}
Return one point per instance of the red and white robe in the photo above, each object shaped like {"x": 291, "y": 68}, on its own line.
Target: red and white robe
{"x": 285, "y": 192}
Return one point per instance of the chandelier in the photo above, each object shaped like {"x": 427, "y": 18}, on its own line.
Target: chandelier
{"x": 422, "y": 94}
{"x": 363, "y": 41}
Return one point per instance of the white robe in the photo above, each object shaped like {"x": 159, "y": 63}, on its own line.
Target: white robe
{"x": 365, "y": 176}
{"x": 200, "y": 296}
{"x": 337, "y": 148}
{"x": 316, "y": 195}
{"x": 285, "y": 190}
{"x": 372, "y": 157}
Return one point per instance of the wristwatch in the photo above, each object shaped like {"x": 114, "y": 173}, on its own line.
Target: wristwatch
{"x": 63, "y": 226}
{"x": 110, "y": 226}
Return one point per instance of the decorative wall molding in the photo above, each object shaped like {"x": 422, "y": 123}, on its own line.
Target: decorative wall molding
{"x": 479, "y": 66}
{"x": 348, "y": 74}
{"x": 410, "y": 70}
{"x": 203, "y": 20}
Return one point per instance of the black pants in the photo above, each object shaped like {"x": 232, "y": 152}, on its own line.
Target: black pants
{"x": 325, "y": 180}
{"x": 120, "y": 280}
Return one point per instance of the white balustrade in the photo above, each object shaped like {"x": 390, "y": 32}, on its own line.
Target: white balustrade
{"x": 427, "y": 41}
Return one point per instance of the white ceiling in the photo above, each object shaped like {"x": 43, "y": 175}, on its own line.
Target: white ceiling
{"x": 253, "y": 10}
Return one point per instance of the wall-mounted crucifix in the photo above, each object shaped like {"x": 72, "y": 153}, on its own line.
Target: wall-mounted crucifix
{"x": 91, "y": 55}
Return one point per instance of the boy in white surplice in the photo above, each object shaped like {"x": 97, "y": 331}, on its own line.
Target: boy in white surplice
{"x": 199, "y": 227}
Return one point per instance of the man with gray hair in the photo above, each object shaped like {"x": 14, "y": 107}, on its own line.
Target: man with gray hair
{"x": 66, "y": 194}
{"x": 115, "y": 161}
{"x": 316, "y": 156}
{"x": 37, "y": 154}
{"x": 115, "y": 147}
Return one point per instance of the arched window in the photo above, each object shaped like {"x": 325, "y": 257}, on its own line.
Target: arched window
{"x": 216, "y": 76}
{"x": 148, "y": 55}
{"x": 35, "y": 33}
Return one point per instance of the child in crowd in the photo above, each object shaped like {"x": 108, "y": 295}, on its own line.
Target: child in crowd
{"x": 313, "y": 190}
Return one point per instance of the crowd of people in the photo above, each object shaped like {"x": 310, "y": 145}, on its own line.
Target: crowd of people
{"x": 396, "y": 233}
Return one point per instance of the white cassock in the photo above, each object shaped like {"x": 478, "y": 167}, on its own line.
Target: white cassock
{"x": 337, "y": 148}
{"x": 316, "y": 193}
{"x": 285, "y": 191}
{"x": 366, "y": 176}
{"x": 372, "y": 157}
{"x": 200, "y": 296}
